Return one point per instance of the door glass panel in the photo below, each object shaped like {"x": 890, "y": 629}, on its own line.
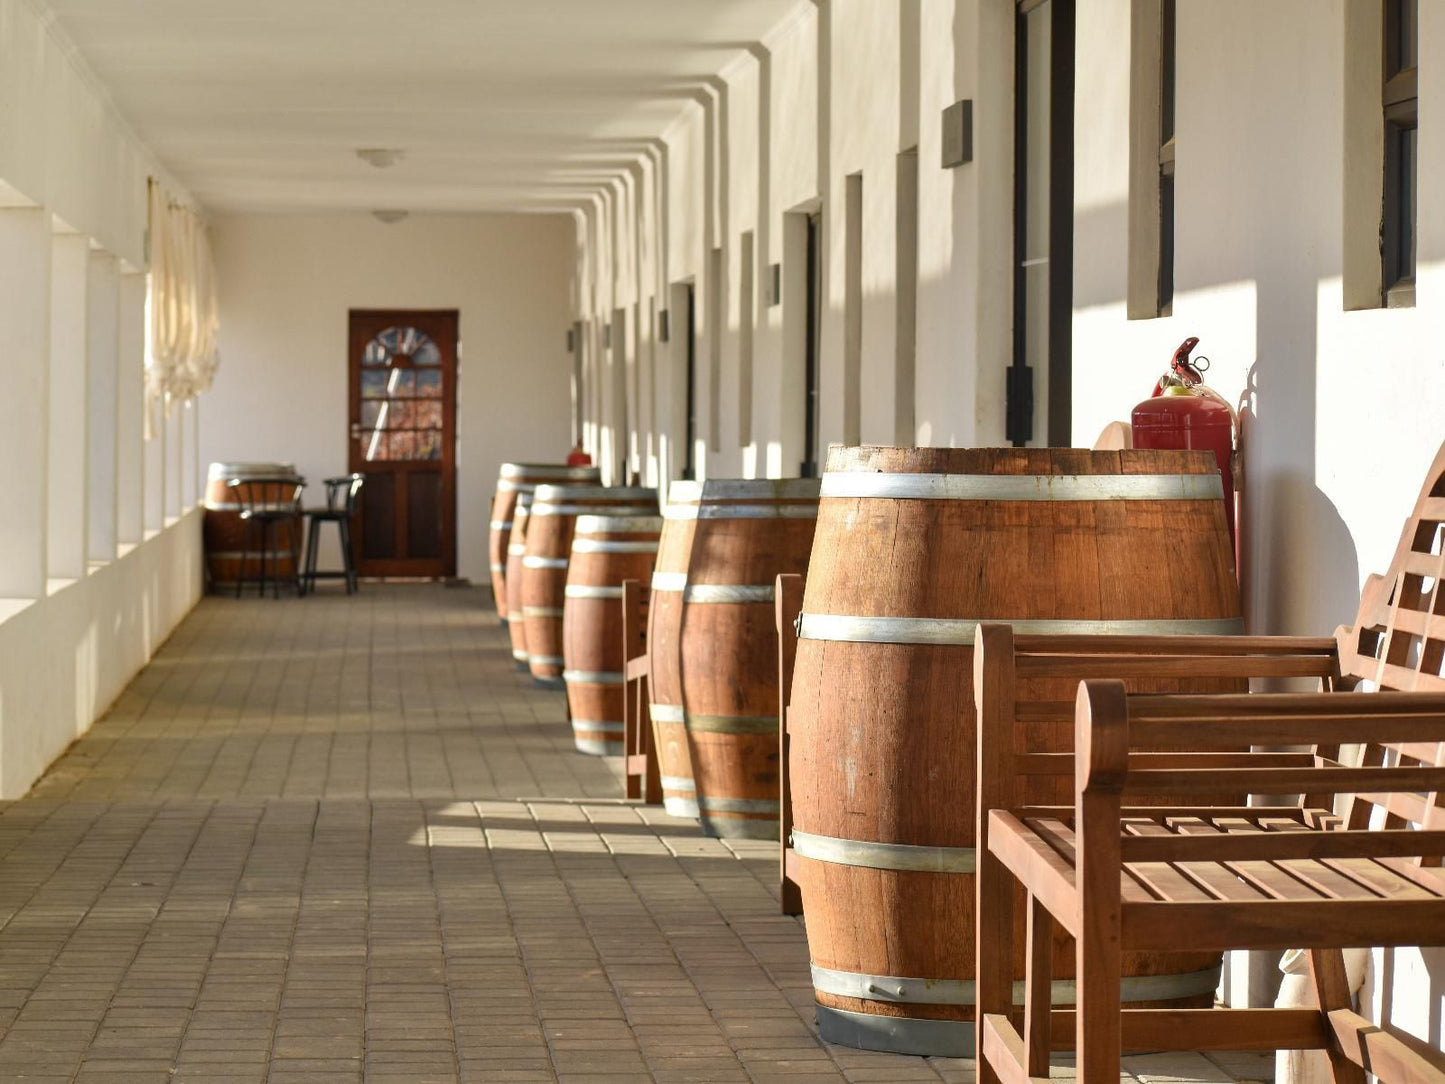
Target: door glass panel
{"x": 401, "y": 388}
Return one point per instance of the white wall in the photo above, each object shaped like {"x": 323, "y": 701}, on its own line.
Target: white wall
{"x": 88, "y": 594}
{"x": 287, "y": 283}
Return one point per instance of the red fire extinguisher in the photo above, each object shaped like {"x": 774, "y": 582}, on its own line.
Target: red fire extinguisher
{"x": 1184, "y": 412}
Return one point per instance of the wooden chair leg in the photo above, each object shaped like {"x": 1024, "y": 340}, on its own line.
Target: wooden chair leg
{"x": 346, "y": 563}
{"x": 993, "y": 989}
{"x": 1332, "y": 991}
{"x": 245, "y": 553}
{"x": 1038, "y": 987}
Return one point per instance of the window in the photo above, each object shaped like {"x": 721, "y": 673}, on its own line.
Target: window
{"x": 1152, "y": 96}
{"x": 1401, "y": 109}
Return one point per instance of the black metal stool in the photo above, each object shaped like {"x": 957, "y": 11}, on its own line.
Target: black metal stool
{"x": 268, "y": 504}
{"x": 340, "y": 506}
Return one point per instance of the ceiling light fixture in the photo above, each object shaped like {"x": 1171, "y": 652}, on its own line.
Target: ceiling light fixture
{"x": 380, "y": 157}
{"x": 390, "y": 217}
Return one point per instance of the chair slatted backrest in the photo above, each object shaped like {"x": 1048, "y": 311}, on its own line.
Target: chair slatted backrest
{"x": 279, "y": 493}
{"x": 1398, "y": 643}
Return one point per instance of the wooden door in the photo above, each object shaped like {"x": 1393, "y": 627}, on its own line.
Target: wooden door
{"x": 403, "y": 377}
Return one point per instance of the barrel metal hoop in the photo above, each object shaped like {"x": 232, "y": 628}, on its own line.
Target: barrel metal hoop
{"x": 732, "y": 489}
{"x": 541, "y": 508}
{"x": 546, "y": 472}
{"x": 541, "y": 611}
{"x": 544, "y": 562}
{"x": 602, "y": 523}
{"x": 738, "y": 805}
{"x": 501, "y": 524}
{"x": 589, "y": 545}
{"x": 960, "y": 630}
{"x": 894, "y": 988}
{"x": 587, "y": 590}
{"x": 893, "y": 856}
{"x": 545, "y": 660}
{"x": 607, "y": 726}
{"x": 896, "y": 1034}
{"x": 499, "y": 566}
{"x": 678, "y": 782}
{"x": 704, "y": 593}
{"x": 594, "y": 677}
{"x": 666, "y": 713}
{"x": 740, "y": 511}
{"x": 1025, "y": 487}
{"x": 730, "y": 724}
{"x": 520, "y": 656}
{"x": 669, "y": 581}
{"x": 516, "y": 549}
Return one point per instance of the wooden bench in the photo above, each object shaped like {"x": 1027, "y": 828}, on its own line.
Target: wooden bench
{"x": 1352, "y": 862}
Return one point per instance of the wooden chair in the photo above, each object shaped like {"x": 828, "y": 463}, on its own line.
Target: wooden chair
{"x": 642, "y": 777}
{"x": 1349, "y": 864}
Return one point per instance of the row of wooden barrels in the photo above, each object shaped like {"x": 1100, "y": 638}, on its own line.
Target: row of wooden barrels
{"x": 904, "y": 552}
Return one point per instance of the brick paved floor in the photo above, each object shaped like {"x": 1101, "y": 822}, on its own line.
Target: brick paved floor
{"x": 342, "y": 840}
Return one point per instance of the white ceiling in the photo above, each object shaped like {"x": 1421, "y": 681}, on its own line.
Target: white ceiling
{"x": 260, "y": 105}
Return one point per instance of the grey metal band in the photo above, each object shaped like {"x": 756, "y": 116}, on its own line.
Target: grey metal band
{"x": 666, "y": 713}
{"x": 730, "y": 724}
{"x": 711, "y": 592}
{"x": 550, "y": 491}
{"x": 594, "y": 677}
{"x": 598, "y": 747}
{"x": 896, "y": 1034}
{"x": 962, "y": 991}
{"x": 520, "y": 656}
{"x": 541, "y": 611}
{"x": 674, "y": 806}
{"x": 516, "y": 549}
{"x": 587, "y": 590}
{"x": 548, "y": 472}
{"x": 499, "y": 566}
{"x": 544, "y": 562}
{"x": 738, "y": 805}
{"x": 740, "y": 511}
{"x": 678, "y": 782}
{"x": 604, "y": 524}
{"x": 540, "y": 508}
{"x": 895, "y": 856}
{"x": 1025, "y": 487}
{"x": 545, "y": 660}
{"x": 960, "y": 630}
{"x": 607, "y": 726}
{"x": 591, "y": 545}
{"x": 732, "y": 489}
{"x": 501, "y": 524}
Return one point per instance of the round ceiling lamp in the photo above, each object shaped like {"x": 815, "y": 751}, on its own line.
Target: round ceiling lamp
{"x": 380, "y": 157}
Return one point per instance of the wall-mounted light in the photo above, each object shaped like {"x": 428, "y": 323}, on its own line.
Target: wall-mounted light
{"x": 607, "y": 336}
{"x": 662, "y": 326}
{"x": 390, "y": 217}
{"x": 570, "y": 346}
{"x": 958, "y": 134}
{"x": 773, "y": 294}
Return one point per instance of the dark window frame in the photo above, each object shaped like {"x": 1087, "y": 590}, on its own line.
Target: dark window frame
{"x": 1400, "y": 102}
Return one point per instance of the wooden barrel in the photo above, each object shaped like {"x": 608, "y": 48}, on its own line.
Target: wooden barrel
{"x": 605, "y": 551}
{"x": 712, "y": 645}
{"x": 512, "y": 479}
{"x": 225, "y": 532}
{"x": 544, "y": 568}
{"x": 914, "y": 547}
{"x": 516, "y": 550}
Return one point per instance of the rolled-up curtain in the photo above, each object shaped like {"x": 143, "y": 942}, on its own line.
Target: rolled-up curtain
{"x": 183, "y": 316}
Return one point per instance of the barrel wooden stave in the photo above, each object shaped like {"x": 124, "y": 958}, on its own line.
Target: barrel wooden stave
{"x": 516, "y": 550}
{"x": 514, "y": 478}
{"x": 713, "y": 657}
{"x": 867, "y": 764}
{"x": 550, "y": 530}
{"x": 606, "y": 550}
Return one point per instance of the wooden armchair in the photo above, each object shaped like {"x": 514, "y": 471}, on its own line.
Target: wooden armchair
{"x": 1354, "y": 861}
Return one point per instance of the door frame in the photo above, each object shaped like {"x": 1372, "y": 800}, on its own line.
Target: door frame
{"x": 357, "y": 335}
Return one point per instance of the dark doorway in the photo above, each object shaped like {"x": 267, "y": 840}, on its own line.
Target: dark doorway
{"x": 809, "y": 466}
{"x": 1043, "y": 219}
{"x": 402, "y": 436}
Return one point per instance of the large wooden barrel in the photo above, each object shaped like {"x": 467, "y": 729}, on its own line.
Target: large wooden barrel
{"x": 225, "y": 532}
{"x": 512, "y": 479}
{"x": 606, "y": 550}
{"x": 914, "y": 547}
{"x": 516, "y": 551}
{"x": 712, "y": 646}
{"x": 549, "y": 547}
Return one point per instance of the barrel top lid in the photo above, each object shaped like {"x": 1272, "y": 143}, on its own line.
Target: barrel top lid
{"x": 619, "y": 524}
{"x": 632, "y": 494}
{"x": 744, "y": 489}
{"x": 1036, "y": 461}
{"x": 249, "y": 470}
{"x": 550, "y": 472}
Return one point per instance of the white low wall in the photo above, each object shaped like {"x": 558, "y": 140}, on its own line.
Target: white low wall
{"x": 65, "y": 658}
